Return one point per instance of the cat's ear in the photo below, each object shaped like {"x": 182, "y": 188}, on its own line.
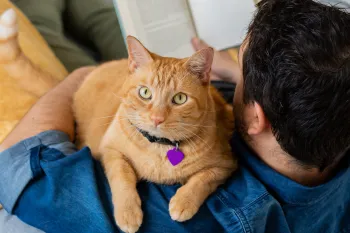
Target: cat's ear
{"x": 200, "y": 64}
{"x": 138, "y": 54}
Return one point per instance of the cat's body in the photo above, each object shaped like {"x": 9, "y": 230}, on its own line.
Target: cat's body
{"x": 164, "y": 97}
{"x": 104, "y": 87}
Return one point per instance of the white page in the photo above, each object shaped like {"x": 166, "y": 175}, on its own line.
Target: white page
{"x": 344, "y": 4}
{"x": 222, "y": 23}
{"x": 165, "y": 27}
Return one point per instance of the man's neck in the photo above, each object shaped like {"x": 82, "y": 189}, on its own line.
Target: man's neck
{"x": 270, "y": 153}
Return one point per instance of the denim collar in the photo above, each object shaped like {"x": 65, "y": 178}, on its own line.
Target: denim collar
{"x": 280, "y": 186}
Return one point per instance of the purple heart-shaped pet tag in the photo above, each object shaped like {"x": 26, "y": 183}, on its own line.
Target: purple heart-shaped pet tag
{"x": 175, "y": 156}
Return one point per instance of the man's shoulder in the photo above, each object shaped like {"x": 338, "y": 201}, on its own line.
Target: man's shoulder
{"x": 243, "y": 204}
{"x": 258, "y": 199}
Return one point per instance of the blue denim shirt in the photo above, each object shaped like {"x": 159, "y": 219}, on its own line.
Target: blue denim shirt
{"x": 58, "y": 193}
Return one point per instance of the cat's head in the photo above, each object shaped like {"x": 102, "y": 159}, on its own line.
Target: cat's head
{"x": 168, "y": 97}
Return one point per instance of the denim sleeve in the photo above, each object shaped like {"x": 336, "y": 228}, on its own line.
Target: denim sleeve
{"x": 11, "y": 224}
{"x": 57, "y": 193}
{"x": 16, "y": 164}
{"x": 54, "y": 192}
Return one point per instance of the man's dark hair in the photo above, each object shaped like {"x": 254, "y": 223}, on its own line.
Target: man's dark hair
{"x": 297, "y": 67}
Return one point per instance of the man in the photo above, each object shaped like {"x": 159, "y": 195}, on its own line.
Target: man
{"x": 292, "y": 104}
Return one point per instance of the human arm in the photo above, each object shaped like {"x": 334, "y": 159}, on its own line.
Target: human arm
{"x": 37, "y": 176}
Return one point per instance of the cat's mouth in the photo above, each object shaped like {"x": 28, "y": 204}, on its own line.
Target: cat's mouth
{"x": 155, "y": 139}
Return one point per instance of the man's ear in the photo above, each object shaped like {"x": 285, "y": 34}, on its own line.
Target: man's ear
{"x": 259, "y": 122}
{"x": 200, "y": 64}
{"x": 138, "y": 54}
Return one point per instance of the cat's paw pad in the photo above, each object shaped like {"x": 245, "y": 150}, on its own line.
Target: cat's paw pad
{"x": 129, "y": 215}
{"x": 182, "y": 208}
{"x": 8, "y": 24}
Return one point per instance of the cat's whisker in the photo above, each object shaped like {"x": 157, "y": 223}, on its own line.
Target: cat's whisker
{"x": 98, "y": 126}
{"x": 135, "y": 119}
{"x": 132, "y": 116}
{"x": 134, "y": 134}
{"x": 133, "y": 124}
{"x": 177, "y": 134}
{"x": 129, "y": 126}
{"x": 198, "y": 125}
{"x": 206, "y": 147}
{"x": 194, "y": 135}
{"x": 123, "y": 98}
{"x": 194, "y": 145}
{"x": 128, "y": 118}
{"x": 166, "y": 127}
{"x": 141, "y": 124}
{"x": 171, "y": 133}
{"x": 185, "y": 124}
{"x": 101, "y": 118}
{"x": 190, "y": 144}
{"x": 138, "y": 119}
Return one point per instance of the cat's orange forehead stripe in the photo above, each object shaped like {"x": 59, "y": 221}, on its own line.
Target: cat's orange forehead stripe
{"x": 166, "y": 72}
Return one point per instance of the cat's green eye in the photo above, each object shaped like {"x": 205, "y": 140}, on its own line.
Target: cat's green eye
{"x": 180, "y": 98}
{"x": 145, "y": 93}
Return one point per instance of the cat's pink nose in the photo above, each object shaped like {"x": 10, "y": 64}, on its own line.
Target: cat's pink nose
{"x": 157, "y": 119}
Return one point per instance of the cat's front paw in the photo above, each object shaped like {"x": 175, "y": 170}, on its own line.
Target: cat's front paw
{"x": 183, "y": 206}
{"x": 128, "y": 213}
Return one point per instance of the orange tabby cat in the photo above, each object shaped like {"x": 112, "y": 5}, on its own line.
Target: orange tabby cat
{"x": 132, "y": 112}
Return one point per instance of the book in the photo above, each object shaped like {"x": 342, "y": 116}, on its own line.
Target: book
{"x": 166, "y": 27}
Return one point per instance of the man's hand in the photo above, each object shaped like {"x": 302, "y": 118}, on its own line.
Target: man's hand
{"x": 52, "y": 112}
